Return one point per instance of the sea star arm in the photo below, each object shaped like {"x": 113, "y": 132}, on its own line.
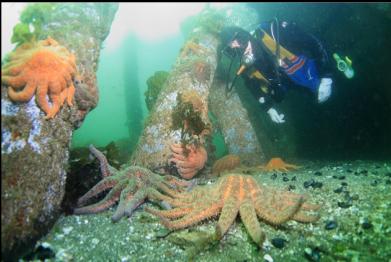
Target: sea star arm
{"x": 310, "y": 207}
{"x": 165, "y": 189}
{"x": 16, "y": 82}
{"x": 137, "y": 200}
{"x": 23, "y": 96}
{"x": 271, "y": 205}
{"x": 227, "y": 217}
{"x": 12, "y": 69}
{"x": 176, "y": 182}
{"x": 195, "y": 196}
{"x": 171, "y": 214}
{"x": 183, "y": 163}
{"x": 56, "y": 103}
{"x": 105, "y": 168}
{"x": 192, "y": 218}
{"x": 103, "y": 185}
{"x": 187, "y": 173}
{"x": 42, "y": 90}
{"x": 291, "y": 198}
{"x": 156, "y": 196}
{"x": 305, "y": 218}
{"x": 104, "y": 204}
{"x": 292, "y": 166}
{"x": 276, "y": 215}
{"x": 250, "y": 221}
{"x": 70, "y": 94}
{"x": 125, "y": 197}
{"x": 63, "y": 96}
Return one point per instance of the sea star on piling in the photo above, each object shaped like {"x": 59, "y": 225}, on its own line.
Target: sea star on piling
{"x": 233, "y": 194}
{"x": 131, "y": 186}
{"x": 189, "y": 161}
{"x": 192, "y": 47}
{"x": 277, "y": 164}
{"x": 44, "y": 68}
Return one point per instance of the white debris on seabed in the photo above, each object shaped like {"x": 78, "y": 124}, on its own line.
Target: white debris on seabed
{"x": 67, "y": 230}
{"x": 268, "y": 258}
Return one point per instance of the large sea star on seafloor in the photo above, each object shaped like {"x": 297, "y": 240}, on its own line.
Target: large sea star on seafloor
{"x": 233, "y": 194}
{"x": 131, "y": 186}
{"x": 42, "y": 68}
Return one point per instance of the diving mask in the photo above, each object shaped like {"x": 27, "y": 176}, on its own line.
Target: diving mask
{"x": 248, "y": 58}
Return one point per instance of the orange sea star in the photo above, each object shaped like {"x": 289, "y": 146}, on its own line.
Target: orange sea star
{"x": 131, "y": 186}
{"x": 277, "y": 164}
{"x": 192, "y": 47}
{"x": 225, "y": 163}
{"x": 233, "y": 194}
{"x": 44, "y": 68}
{"x": 188, "y": 163}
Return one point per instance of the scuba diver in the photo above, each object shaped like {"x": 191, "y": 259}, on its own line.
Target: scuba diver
{"x": 274, "y": 56}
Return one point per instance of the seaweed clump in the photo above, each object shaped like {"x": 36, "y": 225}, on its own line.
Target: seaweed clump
{"x": 187, "y": 116}
{"x": 31, "y": 22}
{"x": 155, "y": 85}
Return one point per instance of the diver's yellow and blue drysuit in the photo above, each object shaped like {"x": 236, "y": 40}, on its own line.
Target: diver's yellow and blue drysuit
{"x": 296, "y": 59}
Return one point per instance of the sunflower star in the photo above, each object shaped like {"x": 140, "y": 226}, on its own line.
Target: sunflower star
{"x": 188, "y": 164}
{"x": 131, "y": 186}
{"x": 233, "y": 194}
{"x": 44, "y": 68}
{"x": 277, "y": 164}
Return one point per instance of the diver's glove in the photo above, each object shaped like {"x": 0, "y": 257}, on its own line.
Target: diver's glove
{"x": 275, "y": 116}
{"x": 324, "y": 90}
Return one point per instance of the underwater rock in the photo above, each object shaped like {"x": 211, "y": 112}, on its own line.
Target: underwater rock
{"x": 188, "y": 239}
{"x": 41, "y": 253}
{"x": 278, "y": 242}
{"x": 308, "y": 183}
{"x": 312, "y": 254}
{"x": 312, "y": 183}
{"x": 291, "y": 187}
{"x": 374, "y": 182}
{"x": 366, "y": 225}
{"x": 35, "y": 151}
{"x": 331, "y": 224}
{"x": 344, "y": 204}
{"x": 339, "y": 190}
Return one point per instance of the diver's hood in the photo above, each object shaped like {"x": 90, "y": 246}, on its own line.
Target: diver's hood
{"x": 229, "y": 34}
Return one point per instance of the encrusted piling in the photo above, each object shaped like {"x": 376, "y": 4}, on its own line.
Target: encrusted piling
{"x": 239, "y": 134}
{"x": 34, "y": 150}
